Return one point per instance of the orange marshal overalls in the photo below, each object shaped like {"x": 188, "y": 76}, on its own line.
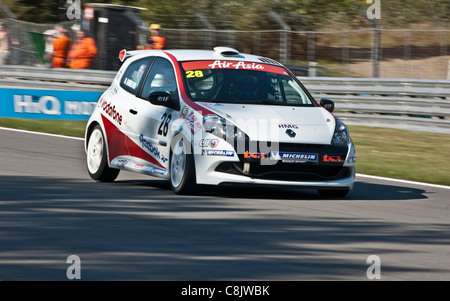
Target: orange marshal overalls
{"x": 82, "y": 54}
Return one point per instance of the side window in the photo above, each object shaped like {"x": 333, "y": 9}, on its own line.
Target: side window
{"x": 160, "y": 78}
{"x": 134, "y": 75}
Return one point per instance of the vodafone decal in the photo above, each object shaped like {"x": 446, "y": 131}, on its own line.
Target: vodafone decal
{"x": 111, "y": 111}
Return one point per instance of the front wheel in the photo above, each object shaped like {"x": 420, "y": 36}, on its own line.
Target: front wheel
{"x": 182, "y": 167}
{"x": 96, "y": 158}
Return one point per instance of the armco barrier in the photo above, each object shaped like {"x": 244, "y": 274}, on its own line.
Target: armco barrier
{"x": 413, "y": 104}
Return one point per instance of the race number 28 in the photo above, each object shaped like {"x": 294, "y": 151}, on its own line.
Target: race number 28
{"x": 164, "y": 126}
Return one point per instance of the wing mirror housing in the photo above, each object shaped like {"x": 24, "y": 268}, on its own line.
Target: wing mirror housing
{"x": 327, "y": 104}
{"x": 163, "y": 98}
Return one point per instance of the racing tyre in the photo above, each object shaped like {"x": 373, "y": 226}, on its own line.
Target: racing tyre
{"x": 182, "y": 167}
{"x": 333, "y": 193}
{"x": 96, "y": 158}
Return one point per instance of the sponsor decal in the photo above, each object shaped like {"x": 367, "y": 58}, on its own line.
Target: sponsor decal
{"x": 288, "y": 126}
{"x": 163, "y": 98}
{"x": 184, "y": 112}
{"x": 130, "y": 83}
{"x": 218, "y": 152}
{"x": 240, "y": 65}
{"x": 110, "y": 110}
{"x": 112, "y": 89}
{"x": 119, "y": 73}
{"x": 248, "y": 155}
{"x": 193, "y": 123}
{"x": 236, "y": 65}
{"x": 153, "y": 170}
{"x": 208, "y": 143}
{"x": 327, "y": 158}
{"x": 149, "y": 146}
{"x": 158, "y": 170}
{"x": 141, "y": 70}
{"x": 121, "y": 163}
{"x": 216, "y": 104}
{"x": 52, "y": 106}
{"x": 288, "y": 157}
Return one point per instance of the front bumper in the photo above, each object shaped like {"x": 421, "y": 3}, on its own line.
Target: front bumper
{"x": 338, "y": 173}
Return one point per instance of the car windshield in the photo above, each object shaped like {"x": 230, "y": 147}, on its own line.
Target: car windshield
{"x": 242, "y": 82}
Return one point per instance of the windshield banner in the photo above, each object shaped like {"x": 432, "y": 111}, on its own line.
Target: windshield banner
{"x": 220, "y": 64}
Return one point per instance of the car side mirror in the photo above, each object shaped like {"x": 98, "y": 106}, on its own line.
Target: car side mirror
{"x": 327, "y": 104}
{"x": 163, "y": 98}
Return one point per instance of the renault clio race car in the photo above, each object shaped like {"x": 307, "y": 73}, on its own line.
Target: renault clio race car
{"x": 211, "y": 117}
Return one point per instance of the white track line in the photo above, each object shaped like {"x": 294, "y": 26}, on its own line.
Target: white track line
{"x": 358, "y": 174}
{"x": 402, "y": 181}
{"x": 39, "y": 133}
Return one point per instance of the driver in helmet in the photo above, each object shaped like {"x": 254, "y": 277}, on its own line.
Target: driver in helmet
{"x": 246, "y": 88}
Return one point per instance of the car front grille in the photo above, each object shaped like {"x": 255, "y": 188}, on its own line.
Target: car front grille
{"x": 287, "y": 171}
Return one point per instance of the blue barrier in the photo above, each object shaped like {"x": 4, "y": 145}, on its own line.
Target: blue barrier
{"x": 47, "y": 104}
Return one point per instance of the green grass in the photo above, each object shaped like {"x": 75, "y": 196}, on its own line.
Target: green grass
{"x": 73, "y": 128}
{"x": 409, "y": 155}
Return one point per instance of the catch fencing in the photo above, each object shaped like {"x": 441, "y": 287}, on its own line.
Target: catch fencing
{"x": 364, "y": 52}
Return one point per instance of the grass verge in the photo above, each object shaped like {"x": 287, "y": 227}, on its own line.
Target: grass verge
{"x": 409, "y": 155}
{"x": 73, "y": 128}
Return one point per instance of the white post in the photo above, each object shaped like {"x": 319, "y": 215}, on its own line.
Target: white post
{"x": 312, "y": 69}
{"x": 448, "y": 70}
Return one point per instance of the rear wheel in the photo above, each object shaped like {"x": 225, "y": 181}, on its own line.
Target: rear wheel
{"x": 96, "y": 158}
{"x": 182, "y": 167}
{"x": 333, "y": 193}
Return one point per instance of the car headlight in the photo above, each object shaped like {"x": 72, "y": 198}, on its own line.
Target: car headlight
{"x": 215, "y": 125}
{"x": 219, "y": 127}
{"x": 340, "y": 136}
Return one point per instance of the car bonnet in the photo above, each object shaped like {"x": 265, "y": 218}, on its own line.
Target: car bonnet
{"x": 279, "y": 123}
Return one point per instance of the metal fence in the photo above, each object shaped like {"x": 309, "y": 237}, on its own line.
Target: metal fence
{"x": 411, "y": 104}
{"x": 367, "y": 52}
{"x": 401, "y": 53}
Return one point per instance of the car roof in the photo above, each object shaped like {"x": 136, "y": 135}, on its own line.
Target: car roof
{"x": 218, "y": 53}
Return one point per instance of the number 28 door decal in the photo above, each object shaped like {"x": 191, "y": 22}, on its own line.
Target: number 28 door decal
{"x": 164, "y": 125}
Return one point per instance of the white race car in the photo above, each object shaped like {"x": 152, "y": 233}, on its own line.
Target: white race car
{"x": 210, "y": 117}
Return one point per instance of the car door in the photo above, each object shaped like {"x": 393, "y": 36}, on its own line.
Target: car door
{"x": 148, "y": 123}
{"x": 115, "y": 105}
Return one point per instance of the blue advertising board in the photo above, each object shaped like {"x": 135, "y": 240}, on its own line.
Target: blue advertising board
{"x": 47, "y": 104}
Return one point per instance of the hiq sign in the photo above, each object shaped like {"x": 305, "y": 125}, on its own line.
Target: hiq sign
{"x": 47, "y": 104}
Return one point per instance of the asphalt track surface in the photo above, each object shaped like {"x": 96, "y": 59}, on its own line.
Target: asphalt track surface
{"x": 137, "y": 229}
